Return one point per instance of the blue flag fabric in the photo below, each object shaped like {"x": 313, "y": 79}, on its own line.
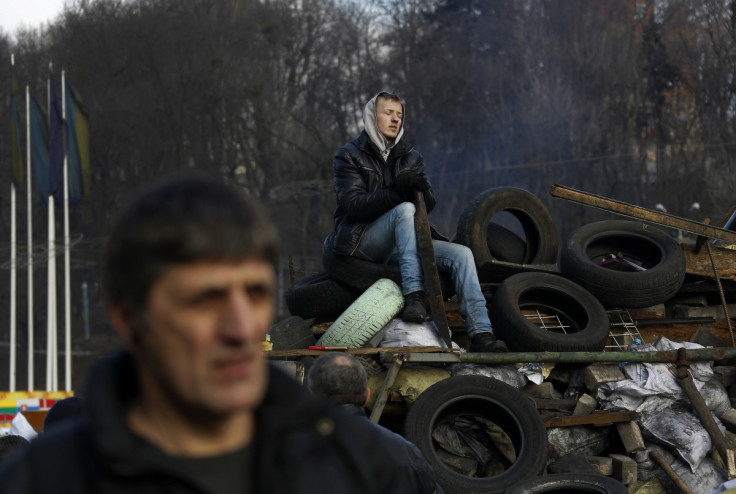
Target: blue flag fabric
{"x": 40, "y": 149}
{"x": 77, "y": 148}
{"x": 57, "y": 138}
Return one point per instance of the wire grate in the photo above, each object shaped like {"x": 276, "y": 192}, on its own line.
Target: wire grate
{"x": 623, "y": 330}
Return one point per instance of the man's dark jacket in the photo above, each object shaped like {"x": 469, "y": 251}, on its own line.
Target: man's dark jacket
{"x": 407, "y": 455}
{"x": 363, "y": 183}
{"x": 302, "y": 445}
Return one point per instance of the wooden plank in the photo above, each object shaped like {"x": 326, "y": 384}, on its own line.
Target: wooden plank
{"x": 699, "y": 263}
{"x": 598, "y": 419}
{"x": 393, "y": 371}
{"x": 432, "y": 287}
{"x": 652, "y": 216}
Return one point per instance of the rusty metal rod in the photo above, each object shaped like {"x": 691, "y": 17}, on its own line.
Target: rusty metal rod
{"x": 443, "y": 355}
{"x": 720, "y": 291}
{"x": 679, "y": 483}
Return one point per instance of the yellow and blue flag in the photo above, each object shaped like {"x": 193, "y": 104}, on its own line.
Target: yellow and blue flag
{"x": 78, "y": 154}
{"x": 57, "y": 133}
{"x": 40, "y": 149}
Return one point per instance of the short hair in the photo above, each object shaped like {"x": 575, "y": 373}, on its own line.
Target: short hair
{"x": 10, "y": 443}
{"x": 390, "y": 96}
{"x": 339, "y": 377}
{"x": 177, "y": 220}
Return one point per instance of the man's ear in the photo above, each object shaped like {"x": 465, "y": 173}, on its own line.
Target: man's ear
{"x": 367, "y": 396}
{"x": 123, "y": 323}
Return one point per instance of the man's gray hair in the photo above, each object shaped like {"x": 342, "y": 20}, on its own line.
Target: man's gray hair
{"x": 339, "y": 377}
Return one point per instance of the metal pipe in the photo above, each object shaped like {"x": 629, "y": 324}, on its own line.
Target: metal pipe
{"x": 694, "y": 355}
{"x": 444, "y": 355}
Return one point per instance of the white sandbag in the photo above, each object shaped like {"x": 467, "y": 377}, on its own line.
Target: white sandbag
{"x": 398, "y": 333}
{"x": 678, "y": 429}
{"x": 504, "y": 373}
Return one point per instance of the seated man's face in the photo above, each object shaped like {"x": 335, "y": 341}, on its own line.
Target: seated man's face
{"x": 201, "y": 345}
{"x": 389, "y": 114}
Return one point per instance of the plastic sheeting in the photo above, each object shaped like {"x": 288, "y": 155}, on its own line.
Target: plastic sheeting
{"x": 21, "y": 427}
{"x": 398, "y": 333}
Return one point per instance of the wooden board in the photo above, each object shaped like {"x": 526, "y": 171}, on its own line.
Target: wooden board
{"x": 700, "y": 264}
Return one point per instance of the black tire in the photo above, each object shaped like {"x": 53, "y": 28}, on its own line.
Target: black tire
{"x": 505, "y": 245}
{"x": 540, "y": 231}
{"x": 292, "y": 333}
{"x": 616, "y": 284}
{"x": 357, "y": 273}
{"x": 319, "y": 295}
{"x": 569, "y": 482}
{"x": 361, "y": 274}
{"x": 576, "y": 320}
{"x": 492, "y": 400}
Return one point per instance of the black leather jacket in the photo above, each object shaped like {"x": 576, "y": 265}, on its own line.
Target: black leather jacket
{"x": 364, "y": 186}
{"x": 302, "y": 445}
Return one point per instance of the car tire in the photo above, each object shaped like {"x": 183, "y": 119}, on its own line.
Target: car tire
{"x": 659, "y": 260}
{"x": 360, "y": 274}
{"x": 569, "y": 317}
{"x": 493, "y": 401}
{"x": 292, "y": 333}
{"x": 319, "y": 295}
{"x": 569, "y": 482}
{"x": 505, "y": 245}
{"x": 366, "y": 316}
{"x": 539, "y": 228}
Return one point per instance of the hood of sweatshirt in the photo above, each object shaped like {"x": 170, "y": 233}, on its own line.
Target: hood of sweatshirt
{"x": 370, "y": 122}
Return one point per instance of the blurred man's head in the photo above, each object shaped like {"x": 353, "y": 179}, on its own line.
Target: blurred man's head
{"x": 190, "y": 285}
{"x": 64, "y": 411}
{"x": 11, "y": 443}
{"x": 339, "y": 377}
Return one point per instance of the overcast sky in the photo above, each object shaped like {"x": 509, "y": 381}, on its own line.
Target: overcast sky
{"x": 14, "y": 13}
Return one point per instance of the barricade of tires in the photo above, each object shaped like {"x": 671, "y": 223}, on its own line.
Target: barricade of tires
{"x": 603, "y": 265}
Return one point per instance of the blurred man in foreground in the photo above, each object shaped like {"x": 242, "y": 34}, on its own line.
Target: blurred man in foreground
{"x": 191, "y": 404}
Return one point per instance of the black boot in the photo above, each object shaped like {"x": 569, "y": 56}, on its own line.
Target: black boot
{"x": 486, "y": 342}
{"x": 414, "y": 308}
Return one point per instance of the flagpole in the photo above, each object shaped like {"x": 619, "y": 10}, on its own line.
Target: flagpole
{"x": 12, "y": 271}
{"x": 51, "y": 303}
{"x": 67, "y": 266}
{"x": 29, "y": 208}
{"x": 51, "y": 286}
{"x": 12, "y": 287}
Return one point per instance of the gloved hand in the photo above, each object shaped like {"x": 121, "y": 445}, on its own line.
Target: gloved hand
{"x": 409, "y": 181}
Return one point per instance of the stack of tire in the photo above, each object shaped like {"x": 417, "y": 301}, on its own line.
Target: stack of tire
{"x": 608, "y": 264}
{"x": 603, "y": 265}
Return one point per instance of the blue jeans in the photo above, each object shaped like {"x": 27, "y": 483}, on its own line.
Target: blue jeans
{"x": 391, "y": 239}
